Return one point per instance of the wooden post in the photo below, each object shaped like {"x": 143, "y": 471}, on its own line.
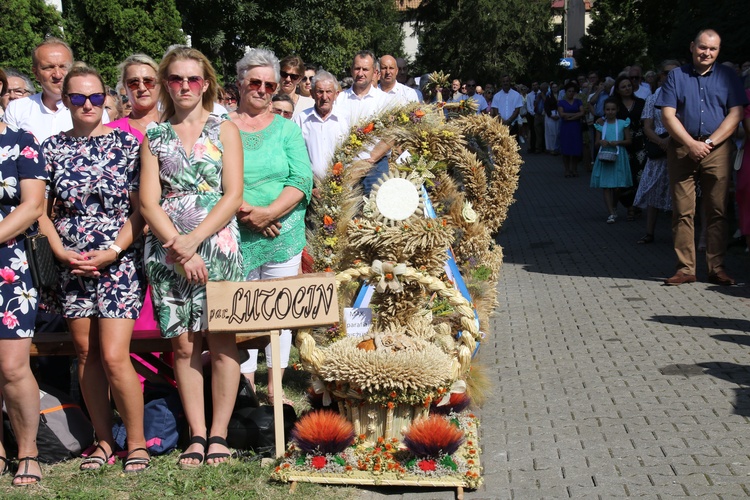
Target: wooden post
{"x": 278, "y": 401}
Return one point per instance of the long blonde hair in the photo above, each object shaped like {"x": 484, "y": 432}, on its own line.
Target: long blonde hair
{"x": 209, "y": 75}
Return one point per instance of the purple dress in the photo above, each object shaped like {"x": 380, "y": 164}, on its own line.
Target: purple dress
{"x": 571, "y": 140}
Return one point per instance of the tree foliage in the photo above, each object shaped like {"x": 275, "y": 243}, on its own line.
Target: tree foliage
{"x": 616, "y": 36}
{"x": 23, "y": 25}
{"x": 485, "y": 38}
{"x": 648, "y": 31}
{"x": 321, "y": 32}
{"x": 104, "y": 32}
{"x": 218, "y": 28}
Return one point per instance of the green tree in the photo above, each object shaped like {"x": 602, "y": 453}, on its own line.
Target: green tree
{"x": 217, "y": 28}
{"x": 616, "y": 36}
{"x": 23, "y": 25}
{"x": 104, "y": 32}
{"x": 483, "y": 39}
{"x": 321, "y": 32}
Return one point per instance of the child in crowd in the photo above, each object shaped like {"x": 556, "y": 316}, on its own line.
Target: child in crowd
{"x": 612, "y": 167}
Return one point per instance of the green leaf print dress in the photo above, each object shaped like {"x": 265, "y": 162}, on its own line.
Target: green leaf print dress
{"x": 191, "y": 187}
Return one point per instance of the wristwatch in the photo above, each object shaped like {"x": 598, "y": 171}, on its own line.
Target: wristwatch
{"x": 709, "y": 142}
{"x": 117, "y": 249}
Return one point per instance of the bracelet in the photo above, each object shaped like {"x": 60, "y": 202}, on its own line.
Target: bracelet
{"x": 117, "y": 249}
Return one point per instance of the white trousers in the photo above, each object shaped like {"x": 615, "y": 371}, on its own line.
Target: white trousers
{"x": 270, "y": 271}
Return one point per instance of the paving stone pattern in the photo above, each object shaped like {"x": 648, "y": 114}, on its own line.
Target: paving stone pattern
{"x": 607, "y": 383}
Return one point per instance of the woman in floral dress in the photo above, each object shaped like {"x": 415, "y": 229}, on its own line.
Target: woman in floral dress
{"x": 191, "y": 188}
{"x": 96, "y": 237}
{"x": 22, "y": 180}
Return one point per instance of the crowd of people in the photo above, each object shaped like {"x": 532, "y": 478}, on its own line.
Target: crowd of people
{"x": 169, "y": 181}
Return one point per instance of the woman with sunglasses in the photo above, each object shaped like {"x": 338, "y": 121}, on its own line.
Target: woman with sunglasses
{"x": 191, "y": 188}
{"x": 138, "y": 76}
{"x": 96, "y": 237}
{"x": 278, "y": 185}
{"x": 292, "y": 71}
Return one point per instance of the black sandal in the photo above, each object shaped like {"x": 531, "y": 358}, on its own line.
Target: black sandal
{"x": 213, "y": 456}
{"x": 201, "y": 457}
{"x": 649, "y": 238}
{"x": 136, "y": 461}
{"x": 25, "y": 474}
{"x": 6, "y": 467}
{"x": 98, "y": 461}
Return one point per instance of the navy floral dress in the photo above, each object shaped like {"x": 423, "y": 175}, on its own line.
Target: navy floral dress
{"x": 19, "y": 159}
{"x": 91, "y": 179}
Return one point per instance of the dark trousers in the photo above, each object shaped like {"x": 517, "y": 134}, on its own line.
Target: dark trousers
{"x": 379, "y": 168}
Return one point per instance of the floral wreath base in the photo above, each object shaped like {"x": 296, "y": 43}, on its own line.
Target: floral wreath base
{"x": 387, "y": 463}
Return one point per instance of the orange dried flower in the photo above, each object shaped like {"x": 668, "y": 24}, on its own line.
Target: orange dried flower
{"x": 338, "y": 167}
{"x": 368, "y": 128}
{"x": 327, "y": 220}
{"x": 390, "y": 405}
{"x": 419, "y": 113}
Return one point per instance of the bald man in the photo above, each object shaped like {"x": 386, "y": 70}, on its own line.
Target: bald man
{"x": 398, "y": 93}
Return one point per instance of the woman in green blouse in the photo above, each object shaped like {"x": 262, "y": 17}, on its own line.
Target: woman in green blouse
{"x": 277, "y": 189}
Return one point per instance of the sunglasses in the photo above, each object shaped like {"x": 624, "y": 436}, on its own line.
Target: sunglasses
{"x": 148, "y": 82}
{"x": 96, "y": 99}
{"x": 291, "y": 76}
{"x": 307, "y": 78}
{"x": 175, "y": 82}
{"x": 255, "y": 84}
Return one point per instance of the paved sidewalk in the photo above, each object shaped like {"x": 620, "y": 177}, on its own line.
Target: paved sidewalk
{"x": 606, "y": 383}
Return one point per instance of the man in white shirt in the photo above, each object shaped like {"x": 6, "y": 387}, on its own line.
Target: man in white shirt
{"x": 323, "y": 126}
{"x": 399, "y": 93}
{"x": 640, "y": 88}
{"x": 363, "y": 102}
{"x": 44, "y": 114}
{"x": 507, "y": 104}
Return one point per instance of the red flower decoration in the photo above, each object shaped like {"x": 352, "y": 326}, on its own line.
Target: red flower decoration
{"x": 318, "y": 462}
{"x": 368, "y": 128}
{"x": 427, "y": 465}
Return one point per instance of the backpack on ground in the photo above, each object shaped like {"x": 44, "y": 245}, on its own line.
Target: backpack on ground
{"x": 64, "y": 430}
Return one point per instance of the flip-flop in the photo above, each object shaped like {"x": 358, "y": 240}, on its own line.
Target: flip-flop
{"x": 25, "y": 474}
{"x": 194, "y": 455}
{"x": 137, "y": 461}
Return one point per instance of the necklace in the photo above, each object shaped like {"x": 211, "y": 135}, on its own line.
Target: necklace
{"x": 253, "y": 127}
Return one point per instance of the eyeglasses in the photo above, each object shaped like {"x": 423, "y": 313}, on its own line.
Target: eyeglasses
{"x": 148, "y": 82}
{"x": 291, "y": 76}
{"x": 19, "y": 92}
{"x": 194, "y": 82}
{"x": 254, "y": 85}
{"x": 96, "y": 99}
{"x": 279, "y": 111}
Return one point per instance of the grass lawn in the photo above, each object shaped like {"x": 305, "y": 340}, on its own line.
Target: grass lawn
{"x": 241, "y": 478}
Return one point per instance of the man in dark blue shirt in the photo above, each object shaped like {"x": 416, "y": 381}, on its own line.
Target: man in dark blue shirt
{"x": 702, "y": 104}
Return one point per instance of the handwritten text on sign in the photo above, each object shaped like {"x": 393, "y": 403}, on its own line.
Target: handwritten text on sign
{"x": 246, "y": 306}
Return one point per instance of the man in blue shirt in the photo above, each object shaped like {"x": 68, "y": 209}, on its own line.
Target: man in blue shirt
{"x": 702, "y": 104}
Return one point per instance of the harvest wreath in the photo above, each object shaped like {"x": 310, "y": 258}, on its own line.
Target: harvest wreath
{"x": 397, "y": 397}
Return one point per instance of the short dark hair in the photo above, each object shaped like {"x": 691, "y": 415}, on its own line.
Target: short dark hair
{"x": 571, "y": 84}
{"x": 4, "y": 81}
{"x": 282, "y": 98}
{"x": 364, "y": 53}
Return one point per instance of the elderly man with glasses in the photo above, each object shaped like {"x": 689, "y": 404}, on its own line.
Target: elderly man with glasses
{"x": 19, "y": 86}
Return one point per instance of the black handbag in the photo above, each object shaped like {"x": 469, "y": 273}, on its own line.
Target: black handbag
{"x": 653, "y": 150}
{"x": 40, "y": 258}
